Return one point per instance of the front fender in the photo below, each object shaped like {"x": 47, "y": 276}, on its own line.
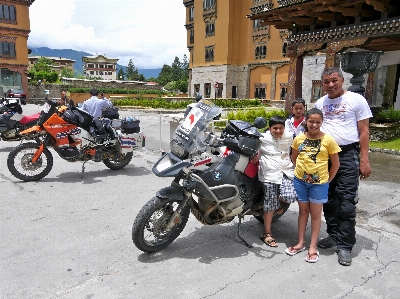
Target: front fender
{"x": 174, "y": 192}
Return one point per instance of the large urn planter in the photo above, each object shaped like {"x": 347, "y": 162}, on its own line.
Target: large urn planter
{"x": 359, "y": 63}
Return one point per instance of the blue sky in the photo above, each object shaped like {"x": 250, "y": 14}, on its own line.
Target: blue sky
{"x": 150, "y": 32}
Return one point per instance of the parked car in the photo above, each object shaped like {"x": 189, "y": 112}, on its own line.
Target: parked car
{"x": 17, "y": 93}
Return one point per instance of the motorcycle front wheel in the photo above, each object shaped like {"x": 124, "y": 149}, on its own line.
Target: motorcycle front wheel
{"x": 149, "y": 232}
{"x": 119, "y": 163}
{"x": 19, "y": 162}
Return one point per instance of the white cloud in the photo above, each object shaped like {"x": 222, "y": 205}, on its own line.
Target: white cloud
{"x": 150, "y": 32}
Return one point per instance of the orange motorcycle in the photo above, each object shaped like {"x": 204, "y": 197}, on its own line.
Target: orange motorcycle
{"x": 75, "y": 136}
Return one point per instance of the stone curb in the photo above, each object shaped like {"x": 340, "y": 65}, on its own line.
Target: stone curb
{"x": 385, "y": 151}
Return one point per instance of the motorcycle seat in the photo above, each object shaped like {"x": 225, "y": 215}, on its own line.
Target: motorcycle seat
{"x": 28, "y": 118}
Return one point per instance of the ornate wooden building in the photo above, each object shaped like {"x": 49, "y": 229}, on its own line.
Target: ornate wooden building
{"x": 14, "y": 31}
{"x": 335, "y": 26}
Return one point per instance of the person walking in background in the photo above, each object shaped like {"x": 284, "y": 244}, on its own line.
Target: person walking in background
{"x": 294, "y": 123}
{"x": 346, "y": 119}
{"x": 63, "y": 101}
{"x": 94, "y": 106}
{"x": 310, "y": 153}
{"x": 275, "y": 172}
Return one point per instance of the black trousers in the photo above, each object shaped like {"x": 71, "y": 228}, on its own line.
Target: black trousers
{"x": 340, "y": 210}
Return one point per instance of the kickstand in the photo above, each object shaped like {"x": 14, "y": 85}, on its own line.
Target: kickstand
{"x": 83, "y": 169}
{"x": 243, "y": 240}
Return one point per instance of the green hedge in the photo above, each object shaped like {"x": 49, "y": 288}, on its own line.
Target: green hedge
{"x": 251, "y": 115}
{"x": 119, "y": 91}
{"x": 152, "y": 103}
{"x": 181, "y": 104}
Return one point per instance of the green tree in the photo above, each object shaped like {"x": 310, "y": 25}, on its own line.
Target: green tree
{"x": 185, "y": 67}
{"x": 43, "y": 64}
{"x": 66, "y": 73}
{"x": 131, "y": 71}
{"x": 176, "y": 69}
{"x": 182, "y": 85}
{"x": 165, "y": 75}
{"x": 121, "y": 74}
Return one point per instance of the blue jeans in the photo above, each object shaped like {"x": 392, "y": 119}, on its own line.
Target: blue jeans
{"x": 340, "y": 210}
{"x": 315, "y": 193}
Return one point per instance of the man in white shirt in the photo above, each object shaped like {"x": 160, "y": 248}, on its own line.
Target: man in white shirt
{"x": 346, "y": 119}
{"x": 94, "y": 106}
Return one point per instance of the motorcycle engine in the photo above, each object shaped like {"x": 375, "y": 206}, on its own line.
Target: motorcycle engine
{"x": 68, "y": 153}
{"x": 10, "y": 133}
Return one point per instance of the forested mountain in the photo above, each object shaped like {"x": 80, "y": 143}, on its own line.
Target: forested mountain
{"x": 77, "y": 55}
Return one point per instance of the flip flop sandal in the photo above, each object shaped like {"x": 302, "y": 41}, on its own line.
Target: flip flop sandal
{"x": 292, "y": 251}
{"x": 269, "y": 241}
{"x": 310, "y": 259}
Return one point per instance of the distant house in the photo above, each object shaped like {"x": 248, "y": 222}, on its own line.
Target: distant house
{"x": 100, "y": 66}
{"x": 14, "y": 31}
{"x": 58, "y": 63}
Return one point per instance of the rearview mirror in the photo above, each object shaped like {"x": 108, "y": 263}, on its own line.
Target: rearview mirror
{"x": 260, "y": 122}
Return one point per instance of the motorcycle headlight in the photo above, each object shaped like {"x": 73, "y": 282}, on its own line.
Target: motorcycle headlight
{"x": 178, "y": 149}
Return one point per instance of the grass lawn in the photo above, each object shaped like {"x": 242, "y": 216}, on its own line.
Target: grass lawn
{"x": 393, "y": 144}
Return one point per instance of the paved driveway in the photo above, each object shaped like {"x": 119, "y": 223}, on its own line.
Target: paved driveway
{"x": 68, "y": 237}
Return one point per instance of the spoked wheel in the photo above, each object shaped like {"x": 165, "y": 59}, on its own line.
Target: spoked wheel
{"x": 119, "y": 162}
{"x": 277, "y": 214}
{"x": 20, "y": 164}
{"x": 150, "y": 232}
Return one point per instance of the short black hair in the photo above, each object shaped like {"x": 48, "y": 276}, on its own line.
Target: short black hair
{"x": 298, "y": 101}
{"x": 94, "y": 92}
{"x": 276, "y": 120}
{"x": 310, "y": 112}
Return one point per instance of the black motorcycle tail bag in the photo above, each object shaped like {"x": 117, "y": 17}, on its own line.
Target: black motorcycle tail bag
{"x": 78, "y": 118}
{"x": 110, "y": 113}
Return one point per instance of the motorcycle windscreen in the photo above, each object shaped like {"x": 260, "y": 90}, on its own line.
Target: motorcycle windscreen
{"x": 189, "y": 136}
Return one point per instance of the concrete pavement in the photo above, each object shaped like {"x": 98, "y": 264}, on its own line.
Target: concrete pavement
{"x": 67, "y": 237}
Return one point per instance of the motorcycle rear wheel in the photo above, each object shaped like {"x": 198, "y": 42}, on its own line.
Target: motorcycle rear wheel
{"x": 119, "y": 163}
{"x": 148, "y": 230}
{"x": 276, "y": 215}
{"x": 19, "y": 162}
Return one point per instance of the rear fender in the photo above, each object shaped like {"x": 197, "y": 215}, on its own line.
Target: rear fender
{"x": 173, "y": 192}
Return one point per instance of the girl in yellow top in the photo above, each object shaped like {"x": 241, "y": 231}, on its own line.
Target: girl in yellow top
{"x": 310, "y": 154}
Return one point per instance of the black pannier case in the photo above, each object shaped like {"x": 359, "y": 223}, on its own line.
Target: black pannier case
{"x": 110, "y": 113}
{"x": 130, "y": 126}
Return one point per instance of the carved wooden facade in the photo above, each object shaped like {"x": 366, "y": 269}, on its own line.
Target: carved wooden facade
{"x": 332, "y": 26}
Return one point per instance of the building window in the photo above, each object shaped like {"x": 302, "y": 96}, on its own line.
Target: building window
{"x": 260, "y": 52}
{"x": 283, "y": 91}
{"x": 210, "y": 29}
{"x": 259, "y": 90}
{"x": 316, "y": 91}
{"x": 196, "y": 88}
{"x": 191, "y": 13}
{"x": 10, "y": 78}
{"x": 209, "y": 54}
{"x": 208, "y": 4}
{"x": 191, "y": 36}
{"x": 90, "y": 65}
{"x": 257, "y": 25}
{"x": 7, "y": 14}
{"x": 7, "y": 50}
{"x": 284, "y": 48}
{"x": 218, "y": 90}
{"x": 91, "y": 72}
{"x": 207, "y": 90}
{"x": 234, "y": 92}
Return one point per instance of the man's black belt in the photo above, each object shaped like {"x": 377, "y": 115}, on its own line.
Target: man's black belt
{"x": 347, "y": 146}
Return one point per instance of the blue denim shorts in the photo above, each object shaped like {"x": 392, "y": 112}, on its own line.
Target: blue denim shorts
{"x": 315, "y": 193}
